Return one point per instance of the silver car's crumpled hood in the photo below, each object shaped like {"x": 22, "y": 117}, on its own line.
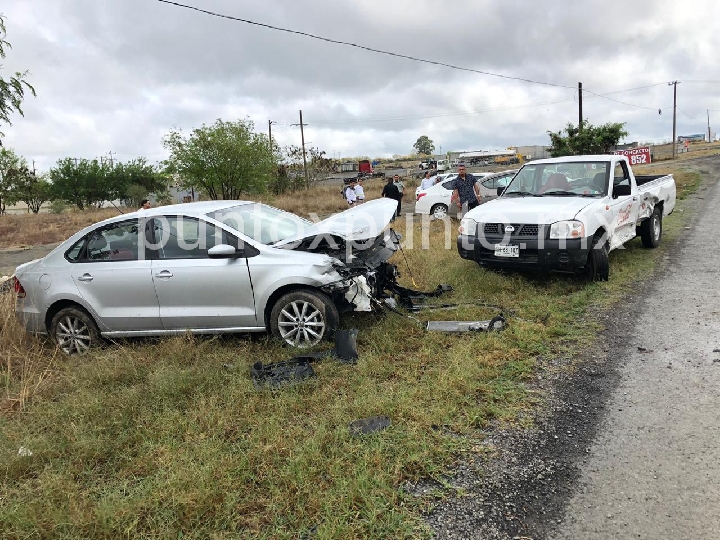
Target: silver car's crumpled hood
{"x": 361, "y": 222}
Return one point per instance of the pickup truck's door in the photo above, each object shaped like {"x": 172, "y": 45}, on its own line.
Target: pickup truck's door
{"x": 624, "y": 206}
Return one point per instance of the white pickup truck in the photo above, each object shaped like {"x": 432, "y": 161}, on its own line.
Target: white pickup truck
{"x": 566, "y": 214}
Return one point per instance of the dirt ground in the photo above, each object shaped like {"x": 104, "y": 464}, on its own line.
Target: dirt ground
{"x": 12, "y": 258}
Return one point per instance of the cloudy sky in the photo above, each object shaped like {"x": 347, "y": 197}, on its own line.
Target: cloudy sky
{"x": 117, "y": 75}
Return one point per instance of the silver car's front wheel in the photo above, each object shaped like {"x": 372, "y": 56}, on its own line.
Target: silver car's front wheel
{"x": 303, "y": 318}
{"x": 74, "y": 331}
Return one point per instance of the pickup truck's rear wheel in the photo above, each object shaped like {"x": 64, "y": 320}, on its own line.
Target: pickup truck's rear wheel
{"x": 439, "y": 211}
{"x": 651, "y": 229}
{"x": 598, "y": 263}
{"x": 304, "y": 318}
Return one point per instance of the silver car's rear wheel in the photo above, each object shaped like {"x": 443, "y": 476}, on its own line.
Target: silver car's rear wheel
{"x": 303, "y": 318}
{"x": 74, "y": 331}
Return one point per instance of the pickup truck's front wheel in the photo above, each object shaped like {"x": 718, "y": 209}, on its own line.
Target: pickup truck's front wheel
{"x": 651, "y": 229}
{"x": 598, "y": 263}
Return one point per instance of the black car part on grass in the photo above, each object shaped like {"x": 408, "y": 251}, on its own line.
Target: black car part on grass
{"x": 278, "y": 374}
{"x": 298, "y": 368}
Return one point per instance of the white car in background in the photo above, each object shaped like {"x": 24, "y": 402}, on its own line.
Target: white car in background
{"x": 490, "y": 183}
{"x": 436, "y": 199}
{"x": 436, "y": 179}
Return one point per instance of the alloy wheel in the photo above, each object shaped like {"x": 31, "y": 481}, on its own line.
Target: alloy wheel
{"x": 301, "y": 324}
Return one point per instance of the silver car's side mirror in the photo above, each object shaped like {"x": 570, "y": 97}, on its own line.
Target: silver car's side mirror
{"x": 222, "y": 251}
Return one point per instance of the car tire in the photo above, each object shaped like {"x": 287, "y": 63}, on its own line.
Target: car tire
{"x": 651, "y": 229}
{"x": 598, "y": 263}
{"x": 74, "y": 331}
{"x": 439, "y": 211}
{"x": 303, "y": 318}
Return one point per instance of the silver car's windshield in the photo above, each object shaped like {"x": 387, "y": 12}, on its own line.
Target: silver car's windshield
{"x": 262, "y": 223}
{"x": 578, "y": 179}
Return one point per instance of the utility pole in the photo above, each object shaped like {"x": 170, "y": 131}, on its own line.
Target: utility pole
{"x": 674, "y": 142}
{"x": 708, "y": 114}
{"x": 270, "y": 123}
{"x": 580, "y": 116}
{"x": 302, "y": 138}
{"x": 34, "y": 160}
{"x": 111, "y": 159}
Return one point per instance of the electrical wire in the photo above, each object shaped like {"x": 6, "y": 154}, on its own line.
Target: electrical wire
{"x": 686, "y": 114}
{"x": 363, "y": 47}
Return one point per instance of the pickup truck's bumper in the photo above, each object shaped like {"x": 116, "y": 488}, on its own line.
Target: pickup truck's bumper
{"x": 541, "y": 253}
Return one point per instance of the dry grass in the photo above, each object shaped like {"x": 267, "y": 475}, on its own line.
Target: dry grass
{"x": 25, "y": 361}
{"x": 24, "y": 230}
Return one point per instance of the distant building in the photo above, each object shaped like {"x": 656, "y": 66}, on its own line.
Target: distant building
{"x": 697, "y": 137}
{"x": 534, "y": 152}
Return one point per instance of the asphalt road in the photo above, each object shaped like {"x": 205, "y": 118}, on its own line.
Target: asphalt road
{"x": 628, "y": 442}
{"x": 654, "y": 469}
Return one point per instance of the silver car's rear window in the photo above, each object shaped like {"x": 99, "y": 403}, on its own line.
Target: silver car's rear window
{"x": 260, "y": 222}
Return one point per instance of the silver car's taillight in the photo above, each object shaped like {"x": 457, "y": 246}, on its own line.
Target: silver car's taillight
{"x": 19, "y": 289}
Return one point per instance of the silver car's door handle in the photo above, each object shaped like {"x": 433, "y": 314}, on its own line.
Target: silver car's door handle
{"x": 164, "y": 274}
{"x": 85, "y": 277}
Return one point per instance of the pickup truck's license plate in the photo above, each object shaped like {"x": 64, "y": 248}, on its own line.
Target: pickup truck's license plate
{"x": 507, "y": 251}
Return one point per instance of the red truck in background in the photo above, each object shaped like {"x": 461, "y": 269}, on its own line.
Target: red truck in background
{"x": 365, "y": 169}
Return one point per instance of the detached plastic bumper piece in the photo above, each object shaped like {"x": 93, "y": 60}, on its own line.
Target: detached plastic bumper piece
{"x": 496, "y": 324}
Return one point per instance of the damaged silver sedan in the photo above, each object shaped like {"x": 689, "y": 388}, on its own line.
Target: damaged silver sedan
{"x": 209, "y": 268}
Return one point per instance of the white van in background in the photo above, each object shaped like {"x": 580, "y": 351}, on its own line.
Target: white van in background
{"x": 443, "y": 165}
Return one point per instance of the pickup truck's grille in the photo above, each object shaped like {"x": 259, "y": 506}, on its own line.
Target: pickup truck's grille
{"x": 518, "y": 229}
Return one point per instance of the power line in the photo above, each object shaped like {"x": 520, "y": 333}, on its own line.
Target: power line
{"x": 364, "y": 47}
{"x": 623, "y": 102}
{"x": 440, "y": 115}
{"x": 686, "y": 114}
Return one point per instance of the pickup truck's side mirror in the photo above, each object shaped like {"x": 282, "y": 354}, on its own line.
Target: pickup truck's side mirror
{"x": 621, "y": 191}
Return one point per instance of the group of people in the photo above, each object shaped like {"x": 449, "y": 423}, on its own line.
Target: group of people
{"x": 465, "y": 189}
{"x": 354, "y": 192}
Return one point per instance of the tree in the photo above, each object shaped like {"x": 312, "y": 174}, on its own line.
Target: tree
{"x": 83, "y": 183}
{"x": 424, "y": 145}
{"x": 223, "y": 160}
{"x": 291, "y": 172}
{"x": 12, "y": 91}
{"x": 27, "y": 187}
{"x": 89, "y": 183}
{"x": 135, "y": 180}
{"x": 9, "y": 161}
{"x": 586, "y": 139}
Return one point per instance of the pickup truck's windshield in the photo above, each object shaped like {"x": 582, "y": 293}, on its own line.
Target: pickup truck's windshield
{"x": 572, "y": 179}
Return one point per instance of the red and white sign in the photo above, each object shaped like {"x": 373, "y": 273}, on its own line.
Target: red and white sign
{"x": 636, "y": 156}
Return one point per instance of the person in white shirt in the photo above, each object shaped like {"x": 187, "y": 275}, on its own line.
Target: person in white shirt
{"x": 359, "y": 192}
{"x": 350, "y": 196}
{"x": 428, "y": 181}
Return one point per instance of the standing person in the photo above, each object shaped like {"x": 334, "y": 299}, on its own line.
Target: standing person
{"x": 465, "y": 189}
{"x": 350, "y": 196}
{"x": 144, "y": 204}
{"x": 391, "y": 191}
{"x": 359, "y": 191}
{"x": 401, "y": 188}
{"x": 428, "y": 181}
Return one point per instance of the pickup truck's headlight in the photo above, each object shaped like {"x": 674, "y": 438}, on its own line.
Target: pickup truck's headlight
{"x": 467, "y": 226}
{"x": 567, "y": 229}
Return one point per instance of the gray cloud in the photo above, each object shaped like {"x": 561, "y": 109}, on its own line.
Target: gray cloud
{"x": 119, "y": 75}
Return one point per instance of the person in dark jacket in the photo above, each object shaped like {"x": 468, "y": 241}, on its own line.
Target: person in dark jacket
{"x": 391, "y": 191}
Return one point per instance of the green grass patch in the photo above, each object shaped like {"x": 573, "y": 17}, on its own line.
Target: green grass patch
{"x": 169, "y": 438}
